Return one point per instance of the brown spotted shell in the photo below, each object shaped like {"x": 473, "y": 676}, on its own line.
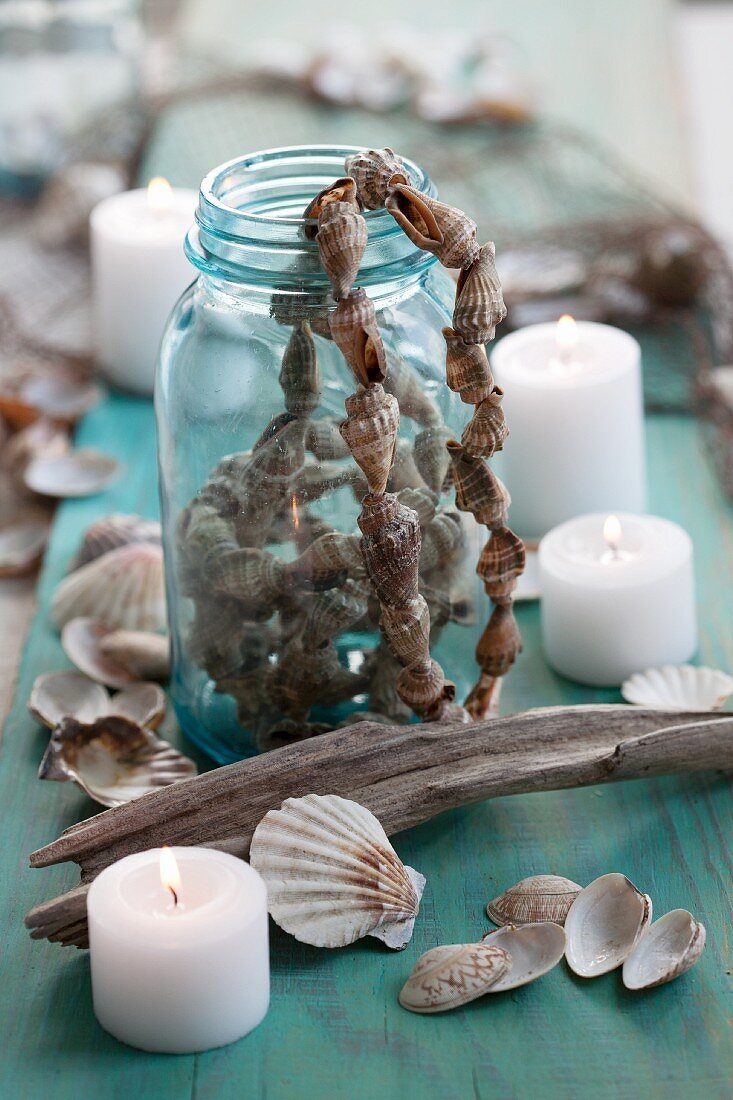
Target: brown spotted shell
{"x": 433, "y": 226}
{"x": 353, "y": 326}
{"x": 341, "y": 239}
{"x": 299, "y": 372}
{"x": 407, "y": 628}
{"x": 452, "y": 975}
{"x": 370, "y": 429}
{"x": 423, "y": 686}
{"x": 431, "y": 456}
{"x": 341, "y": 190}
{"x": 374, "y": 170}
{"x": 391, "y": 548}
{"x": 479, "y": 303}
{"x": 467, "y": 368}
{"x": 502, "y": 561}
{"x": 487, "y": 429}
{"x": 537, "y": 898}
{"x": 500, "y": 644}
{"x": 478, "y": 489}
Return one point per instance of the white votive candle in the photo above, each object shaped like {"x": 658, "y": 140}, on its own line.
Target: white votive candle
{"x": 618, "y": 596}
{"x": 139, "y": 270}
{"x": 179, "y": 949}
{"x": 574, "y": 406}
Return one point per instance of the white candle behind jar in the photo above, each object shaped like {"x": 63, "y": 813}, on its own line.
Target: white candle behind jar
{"x": 618, "y": 597}
{"x": 574, "y": 405}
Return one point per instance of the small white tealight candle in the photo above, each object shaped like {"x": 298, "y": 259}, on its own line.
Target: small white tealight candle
{"x": 139, "y": 270}
{"x": 179, "y": 949}
{"x": 575, "y": 412}
{"x": 618, "y": 597}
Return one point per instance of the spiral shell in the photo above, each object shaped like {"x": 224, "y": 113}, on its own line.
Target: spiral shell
{"x": 341, "y": 239}
{"x": 479, "y": 303}
{"x": 420, "y": 500}
{"x": 370, "y": 429}
{"x": 249, "y": 574}
{"x": 452, "y": 975}
{"x": 423, "y": 686}
{"x": 467, "y": 368}
{"x": 442, "y": 539}
{"x": 486, "y": 431}
{"x": 299, "y": 372}
{"x": 500, "y": 644}
{"x": 353, "y": 326}
{"x": 478, "y": 489}
{"x": 407, "y": 628}
{"x": 327, "y": 562}
{"x": 324, "y": 440}
{"x": 383, "y": 697}
{"x": 374, "y": 170}
{"x": 502, "y": 560}
{"x": 391, "y": 548}
{"x": 406, "y": 385}
{"x": 331, "y": 613}
{"x": 405, "y": 474}
{"x": 203, "y": 535}
{"x": 431, "y": 456}
{"x": 342, "y": 190}
{"x": 433, "y": 226}
{"x": 300, "y": 676}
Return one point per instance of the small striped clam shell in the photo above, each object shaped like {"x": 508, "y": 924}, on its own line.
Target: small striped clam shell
{"x": 479, "y": 303}
{"x": 434, "y": 226}
{"x": 467, "y": 368}
{"x": 502, "y": 560}
{"x": 501, "y": 643}
{"x": 486, "y": 431}
{"x": 332, "y": 875}
{"x": 354, "y": 328}
{"x": 341, "y": 238}
{"x": 123, "y": 588}
{"x": 374, "y": 170}
{"x": 533, "y": 899}
{"x": 452, "y": 975}
{"x": 407, "y": 628}
{"x": 478, "y": 489}
{"x": 370, "y": 429}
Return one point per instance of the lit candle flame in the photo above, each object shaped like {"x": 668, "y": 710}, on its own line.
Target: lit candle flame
{"x": 296, "y": 517}
{"x": 566, "y": 336}
{"x": 612, "y": 533}
{"x": 159, "y": 194}
{"x": 170, "y": 876}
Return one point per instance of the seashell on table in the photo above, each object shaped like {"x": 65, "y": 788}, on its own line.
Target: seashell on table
{"x": 58, "y": 695}
{"x": 452, "y": 975}
{"x": 74, "y": 474}
{"x": 681, "y": 687}
{"x": 111, "y": 532}
{"x": 670, "y": 947}
{"x": 534, "y": 899}
{"x": 604, "y": 924}
{"x": 533, "y": 948}
{"x": 22, "y": 545}
{"x": 116, "y": 657}
{"x": 123, "y": 588}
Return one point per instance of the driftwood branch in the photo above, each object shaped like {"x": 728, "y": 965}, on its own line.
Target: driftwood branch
{"x": 404, "y": 774}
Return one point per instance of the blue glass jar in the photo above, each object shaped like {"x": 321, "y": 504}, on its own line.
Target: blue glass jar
{"x": 263, "y": 654}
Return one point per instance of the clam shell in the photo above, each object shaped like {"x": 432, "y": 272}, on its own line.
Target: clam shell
{"x": 58, "y": 695}
{"x": 478, "y": 489}
{"x": 332, "y": 875}
{"x": 74, "y": 474}
{"x": 341, "y": 238}
{"x": 22, "y": 544}
{"x": 299, "y": 376}
{"x": 124, "y": 588}
{"x": 668, "y": 948}
{"x": 533, "y": 948}
{"x": 111, "y": 532}
{"x": 47, "y": 392}
{"x": 604, "y": 924}
{"x": 353, "y": 325}
{"x": 115, "y": 657}
{"x": 486, "y": 431}
{"x": 682, "y": 687}
{"x": 467, "y": 368}
{"x": 372, "y": 171}
{"x": 434, "y": 226}
{"x": 452, "y": 975}
{"x": 113, "y": 759}
{"x": 479, "y": 303}
{"x": 500, "y": 644}
{"x": 370, "y": 429}
{"x": 41, "y": 438}
{"x": 534, "y": 899}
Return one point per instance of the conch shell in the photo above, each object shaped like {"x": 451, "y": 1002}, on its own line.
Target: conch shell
{"x": 123, "y": 588}
{"x": 353, "y": 326}
{"x": 478, "y": 489}
{"x": 370, "y": 429}
{"x": 374, "y": 170}
{"x": 500, "y": 644}
{"x": 341, "y": 190}
{"x": 467, "y": 368}
{"x": 431, "y": 456}
{"x": 404, "y": 382}
{"x": 452, "y": 975}
{"x": 423, "y": 686}
{"x": 332, "y": 875}
{"x": 324, "y": 440}
{"x": 479, "y": 303}
{"x": 502, "y": 561}
{"x": 341, "y": 238}
{"x": 327, "y": 562}
{"x": 407, "y": 628}
{"x": 537, "y": 898}
{"x": 391, "y": 548}
{"x": 299, "y": 372}
{"x": 251, "y": 575}
{"x": 486, "y": 431}
{"x": 433, "y": 226}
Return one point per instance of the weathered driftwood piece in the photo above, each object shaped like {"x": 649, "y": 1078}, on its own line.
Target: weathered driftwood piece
{"x": 403, "y": 774}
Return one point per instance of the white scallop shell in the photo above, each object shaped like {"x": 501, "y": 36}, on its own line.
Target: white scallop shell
{"x": 533, "y": 899}
{"x": 74, "y": 474}
{"x": 124, "y": 588}
{"x": 604, "y": 925}
{"x": 452, "y": 975}
{"x": 534, "y": 949}
{"x": 332, "y": 875}
{"x": 669, "y": 947}
{"x": 681, "y": 687}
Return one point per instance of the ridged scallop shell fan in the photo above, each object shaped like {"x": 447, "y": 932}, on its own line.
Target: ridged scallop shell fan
{"x": 124, "y": 588}
{"x": 332, "y": 876}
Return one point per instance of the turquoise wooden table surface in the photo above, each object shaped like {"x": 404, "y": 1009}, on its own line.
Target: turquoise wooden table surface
{"x": 335, "y": 1028}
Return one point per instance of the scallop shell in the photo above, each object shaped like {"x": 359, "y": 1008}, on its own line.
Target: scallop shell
{"x": 534, "y": 899}
{"x": 113, "y": 759}
{"x": 342, "y": 190}
{"x": 533, "y": 948}
{"x": 486, "y": 431}
{"x": 502, "y": 560}
{"x": 433, "y": 226}
{"x": 467, "y": 368}
{"x": 115, "y": 657}
{"x": 332, "y": 876}
{"x": 669, "y": 947}
{"x": 500, "y": 644}
{"x": 74, "y": 474}
{"x": 58, "y": 695}
{"x": 452, "y": 975}
{"x": 370, "y": 429}
{"x": 423, "y": 686}
{"x": 431, "y": 456}
{"x": 354, "y": 328}
{"x": 391, "y": 548}
{"x": 604, "y": 924}
{"x": 479, "y": 303}
{"x": 22, "y": 545}
{"x": 373, "y": 170}
{"x": 478, "y": 489}
{"x": 407, "y": 628}
{"x": 682, "y": 687}
{"x": 324, "y": 440}
{"x": 111, "y": 532}
{"x": 124, "y": 588}
{"x": 45, "y": 391}
{"x": 404, "y": 383}
{"x": 341, "y": 238}
{"x": 299, "y": 372}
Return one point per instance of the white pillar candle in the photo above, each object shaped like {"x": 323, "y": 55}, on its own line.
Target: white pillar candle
{"x": 139, "y": 270}
{"x": 574, "y": 406}
{"x": 618, "y": 597}
{"x": 183, "y": 967}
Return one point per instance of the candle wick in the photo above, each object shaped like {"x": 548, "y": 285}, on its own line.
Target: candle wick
{"x": 175, "y": 895}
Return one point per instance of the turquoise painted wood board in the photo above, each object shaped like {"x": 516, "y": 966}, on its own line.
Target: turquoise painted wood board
{"x": 335, "y": 1028}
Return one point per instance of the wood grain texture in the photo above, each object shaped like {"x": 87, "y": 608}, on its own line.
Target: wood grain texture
{"x": 335, "y": 1028}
